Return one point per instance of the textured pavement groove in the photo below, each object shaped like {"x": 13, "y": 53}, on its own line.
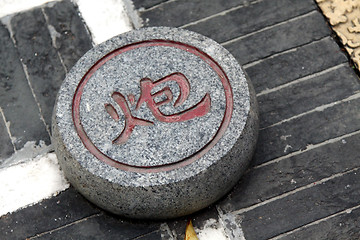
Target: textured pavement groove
{"x": 278, "y": 38}
{"x": 38, "y": 50}
{"x": 67, "y": 207}
{"x": 306, "y": 95}
{"x": 340, "y": 226}
{"x": 16, "y": 98}
{"x": 43, "y": 65}
{"x": 103, "y": 227}
{"x": 288, "y": 66}
{"x": 269, "y": 181}
{"x": 178, "y": 13}
{"x": 307, "y": 205}
{"x": 46, "y": 40}
{"x": 145, "y": 4}
{"x": 5, "y": 141}
{"x": 320, "y": 125}
{"x": 236, "y": 23}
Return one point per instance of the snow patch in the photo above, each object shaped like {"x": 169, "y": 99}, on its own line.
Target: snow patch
{"x": 105, "y": 19}
{"x": 212, "y": 230}
{"x": 287, "y": 147}
{"x": 133, "y": 14}
{"x": 285, "y": 137}
{"x": 54, "y": 35}
{"x": 30, "y": 182}
{"x": 8, "y": 7}
{"x": 27, "y": 153}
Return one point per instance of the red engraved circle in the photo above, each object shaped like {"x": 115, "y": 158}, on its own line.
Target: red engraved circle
{"x": 164, "y": 167}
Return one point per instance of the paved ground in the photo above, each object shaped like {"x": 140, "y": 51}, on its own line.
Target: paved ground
{"x": 303, "y": 182}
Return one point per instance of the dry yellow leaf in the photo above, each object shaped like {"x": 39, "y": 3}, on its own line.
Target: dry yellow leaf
{"x": 190, "y": 233}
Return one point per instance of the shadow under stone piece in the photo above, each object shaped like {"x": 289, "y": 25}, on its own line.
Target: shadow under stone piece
{"x": 155, "y": 123}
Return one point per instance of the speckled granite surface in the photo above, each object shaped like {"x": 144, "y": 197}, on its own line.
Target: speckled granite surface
{"x": 176, "y": 166}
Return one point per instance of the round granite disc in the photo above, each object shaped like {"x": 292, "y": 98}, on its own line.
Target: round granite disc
{"x": 155, "y": 123}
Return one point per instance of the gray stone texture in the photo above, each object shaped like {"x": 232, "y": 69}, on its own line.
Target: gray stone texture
{"x": 162, "y": 143}
{"x": 16, "y": 98}
{"x": 175, "y": 192}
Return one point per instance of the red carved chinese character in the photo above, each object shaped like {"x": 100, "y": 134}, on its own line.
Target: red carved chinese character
{"x": 130, "y": 120}
{"x": 146, "y": 86}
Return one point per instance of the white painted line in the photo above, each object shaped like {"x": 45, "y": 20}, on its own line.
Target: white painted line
{"x": 30, "y": 182}
{"x": 212, "y": 230}
{"x": 29, "y": 152}
{"x": 105, "y": 19}
{"x": 8, "y": 7}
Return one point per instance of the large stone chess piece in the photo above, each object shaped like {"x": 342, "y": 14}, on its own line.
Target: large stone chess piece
{"x": 155, "y": 123}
